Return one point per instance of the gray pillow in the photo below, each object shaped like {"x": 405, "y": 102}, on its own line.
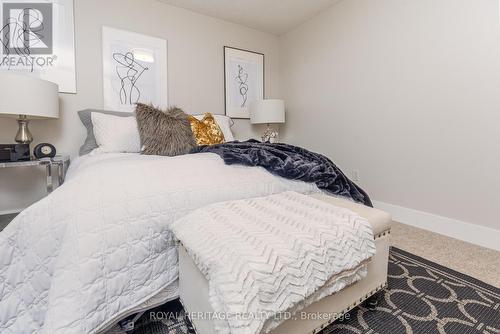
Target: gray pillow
{"x": 164, "y": 132}
{"x": 85, "y": 116}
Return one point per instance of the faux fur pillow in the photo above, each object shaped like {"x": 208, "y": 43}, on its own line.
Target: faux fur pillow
{"x": 164, "y": 132}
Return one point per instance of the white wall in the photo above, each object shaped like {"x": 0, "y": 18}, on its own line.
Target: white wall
{"x": 408, "y": 93}
{"x": 195, "y": 78}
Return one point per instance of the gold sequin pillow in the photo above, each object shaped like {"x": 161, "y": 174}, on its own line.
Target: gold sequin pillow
{"x": 206, "y": 131}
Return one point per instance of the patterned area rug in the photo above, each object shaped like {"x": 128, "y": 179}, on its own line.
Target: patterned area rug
{"x": 422, "y": 298}
{"x": 426, "y": 298}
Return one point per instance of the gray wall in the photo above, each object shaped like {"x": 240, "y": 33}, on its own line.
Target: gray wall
{"x": 195, "y": 76}
{"x": 408, "y": 93}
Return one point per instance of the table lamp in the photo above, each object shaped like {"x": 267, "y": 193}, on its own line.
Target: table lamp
{"x": 25, "y": 97}
{"x": 268, "y": 112}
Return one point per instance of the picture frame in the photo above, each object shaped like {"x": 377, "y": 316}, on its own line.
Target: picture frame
{"x": 244, "y": 80}
{"x": 37, "y": 37}
{"x": 134, "y": 70}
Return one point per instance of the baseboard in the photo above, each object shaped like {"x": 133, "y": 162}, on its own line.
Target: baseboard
{"x": 475, "y": 234}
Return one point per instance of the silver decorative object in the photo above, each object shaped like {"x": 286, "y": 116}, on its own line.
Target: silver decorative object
{"x": 23, "y": 135}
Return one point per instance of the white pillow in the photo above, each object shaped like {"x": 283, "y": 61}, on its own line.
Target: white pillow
{"x": 115, "y": 134}
{"x": 225, "y": 123}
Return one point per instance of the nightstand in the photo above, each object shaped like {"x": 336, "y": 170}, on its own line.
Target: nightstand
{"x": 61, "y": 162}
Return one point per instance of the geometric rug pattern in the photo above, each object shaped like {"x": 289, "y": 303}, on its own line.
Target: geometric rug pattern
{"x": 422, "y": 297}
{"x": 425, "y": 298}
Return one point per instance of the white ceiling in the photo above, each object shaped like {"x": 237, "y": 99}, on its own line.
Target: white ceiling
{"x": 273, "y": 16}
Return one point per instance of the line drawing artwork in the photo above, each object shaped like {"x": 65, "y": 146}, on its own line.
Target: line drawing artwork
{"x": 16, "y": 34}
{"x": 129, "y": 71}
{"x": 242, "y": 79}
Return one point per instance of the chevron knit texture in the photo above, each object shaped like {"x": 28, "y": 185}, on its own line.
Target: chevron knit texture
{"x": 269, "y": 255}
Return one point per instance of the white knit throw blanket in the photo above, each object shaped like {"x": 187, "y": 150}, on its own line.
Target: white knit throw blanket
{"x": 274, "y": 254}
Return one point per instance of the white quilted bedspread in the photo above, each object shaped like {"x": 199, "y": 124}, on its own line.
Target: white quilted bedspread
{"x": 269, "y": 255}
{"x": 101, "y": 244}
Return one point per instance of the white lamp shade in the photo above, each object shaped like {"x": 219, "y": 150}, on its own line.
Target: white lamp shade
{"x": 26, "y": 95}
{"x": 267, "y": 111}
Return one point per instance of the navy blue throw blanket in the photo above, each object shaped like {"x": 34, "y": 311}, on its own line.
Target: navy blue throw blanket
{"x": 290, "y": 162}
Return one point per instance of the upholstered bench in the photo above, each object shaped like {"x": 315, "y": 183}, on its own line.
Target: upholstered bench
{"x": 194, "y": 287}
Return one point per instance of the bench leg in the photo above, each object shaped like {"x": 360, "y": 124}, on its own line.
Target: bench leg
{"x": 372, "y": 302}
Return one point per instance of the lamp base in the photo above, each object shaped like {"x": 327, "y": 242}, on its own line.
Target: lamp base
{"x": 23, "y": 135}
{"x": 270, "y": 135}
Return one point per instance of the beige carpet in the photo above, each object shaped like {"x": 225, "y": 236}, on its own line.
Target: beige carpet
{"x": 481, "y": 263}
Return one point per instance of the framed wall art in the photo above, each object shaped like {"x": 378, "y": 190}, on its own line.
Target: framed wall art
{"x": 37, "y": 38}
{"x": 243, "y": 80}
{"x": 134, "y": 70}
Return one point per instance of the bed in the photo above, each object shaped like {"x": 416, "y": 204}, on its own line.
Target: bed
{"x": 99, "y": 247}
